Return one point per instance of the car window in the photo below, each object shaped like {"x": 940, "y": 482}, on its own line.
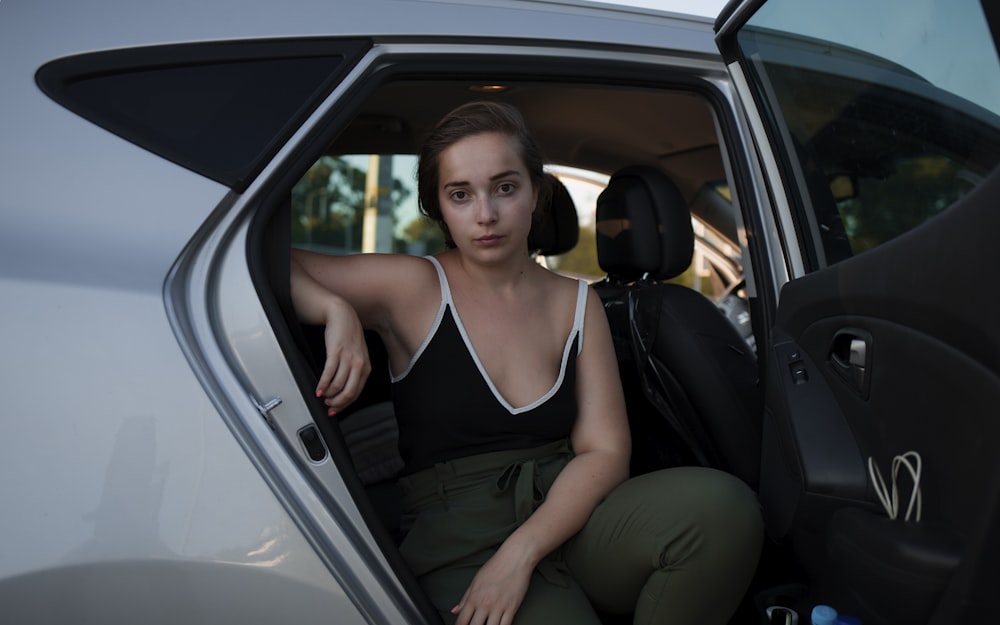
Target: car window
{"x": 365, "y": 203}
{"x": 354, "y": 203}
{"x": 217, "y": 109}
{"x": 884, "y": 129}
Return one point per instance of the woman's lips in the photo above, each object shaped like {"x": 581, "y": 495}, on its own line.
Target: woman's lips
{"x": 489, "y": 239}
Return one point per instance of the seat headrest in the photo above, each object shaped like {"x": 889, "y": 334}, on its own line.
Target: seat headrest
{"x": 643, "y": 226}
{"x": 556, "y": 230}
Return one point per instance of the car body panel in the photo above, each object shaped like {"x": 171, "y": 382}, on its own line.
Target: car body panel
{"x": 83, "y": 29}
{"x": 130, "y": 463}
{"x": 158, "y": 491}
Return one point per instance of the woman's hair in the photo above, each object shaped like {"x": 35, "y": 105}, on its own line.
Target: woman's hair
{"x": 470, "y": 119}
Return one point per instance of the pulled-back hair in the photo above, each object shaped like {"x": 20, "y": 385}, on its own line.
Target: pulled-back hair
{"x": 470, "y": 119}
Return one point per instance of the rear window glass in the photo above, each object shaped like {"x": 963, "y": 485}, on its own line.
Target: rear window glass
{"x": 219, "y": 110}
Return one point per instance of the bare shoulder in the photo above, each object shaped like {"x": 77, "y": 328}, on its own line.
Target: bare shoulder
{"x": 418, "y": 274}
{"x": 558, "y": 283}
{"x": 596, "y": 327}
{"x": 569, "y": 289}
{"x": 400, "y": 280}
{"x": 405, "y": 266}
{"x": 559, "y": 295}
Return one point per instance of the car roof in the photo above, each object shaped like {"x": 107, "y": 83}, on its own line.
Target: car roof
{"x": 103, "y": 24}
{"x": 598, "y": 128}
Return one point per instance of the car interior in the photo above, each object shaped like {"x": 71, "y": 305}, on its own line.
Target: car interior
{"x": 689, "y": 372}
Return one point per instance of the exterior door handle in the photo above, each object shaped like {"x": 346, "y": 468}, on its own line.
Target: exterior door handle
{"x": 850, "y": 358}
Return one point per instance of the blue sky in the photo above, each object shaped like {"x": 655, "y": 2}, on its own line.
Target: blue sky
{"x": 944, "y": 41}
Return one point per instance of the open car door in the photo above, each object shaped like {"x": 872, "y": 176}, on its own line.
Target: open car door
{"x": 877, "y": 131}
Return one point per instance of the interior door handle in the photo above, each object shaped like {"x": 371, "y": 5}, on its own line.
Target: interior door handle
{"x": 850, "y": 358}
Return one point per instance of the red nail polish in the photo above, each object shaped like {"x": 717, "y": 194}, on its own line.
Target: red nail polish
{"x": 319, "y": 393}
{"x": 331, "y": 412}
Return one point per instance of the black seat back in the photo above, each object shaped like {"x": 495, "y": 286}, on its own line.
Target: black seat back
{"x": 690, "y": 363}
{"x": 557, "y": 230}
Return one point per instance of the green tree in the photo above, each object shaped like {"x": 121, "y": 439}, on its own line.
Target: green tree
{"x": 326, "y": 205}
{"x": 912, "y": 192}
{"x": 422, "y": 230}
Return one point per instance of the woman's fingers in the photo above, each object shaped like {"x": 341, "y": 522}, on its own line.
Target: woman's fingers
{"x": 479, "y": 607}
{"x": 344, "y": 375}
{"x": 483, "y": 616}
{"x": 496, "y": 591}
{"x": 344, "y": 387}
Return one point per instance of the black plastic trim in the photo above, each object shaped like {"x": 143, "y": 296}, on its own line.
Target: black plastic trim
{"x": 221, "y": 109}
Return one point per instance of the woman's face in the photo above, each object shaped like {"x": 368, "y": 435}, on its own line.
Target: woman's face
{"x": 486, "y": 195}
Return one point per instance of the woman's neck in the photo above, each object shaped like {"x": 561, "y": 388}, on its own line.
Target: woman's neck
{"x": 501, "y": 277}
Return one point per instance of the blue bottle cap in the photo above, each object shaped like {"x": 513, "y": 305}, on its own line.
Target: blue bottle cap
{"x": 823, "y": 615}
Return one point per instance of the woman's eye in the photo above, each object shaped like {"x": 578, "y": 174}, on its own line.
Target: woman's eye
{"x": 505, "y": 188}
{"x": 459, "y": 196}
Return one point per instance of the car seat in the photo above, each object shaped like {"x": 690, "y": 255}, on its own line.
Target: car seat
{"x": 676, "y": 349}
{"x": 557, "y": 230}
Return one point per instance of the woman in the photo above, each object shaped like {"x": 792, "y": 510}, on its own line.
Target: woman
{"x": 511, "y": 415}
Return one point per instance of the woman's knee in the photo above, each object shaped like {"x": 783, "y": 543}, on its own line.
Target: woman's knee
{"x": 690, "y": 513}
{"x": 699, "y": 521}
{"x": 725, "y": 514}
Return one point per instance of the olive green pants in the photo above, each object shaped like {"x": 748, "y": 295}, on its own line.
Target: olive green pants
{"x": 674, "y": 546}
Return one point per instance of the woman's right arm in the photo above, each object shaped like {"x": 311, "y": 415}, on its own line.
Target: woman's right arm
{"x": 347, "y": 366}
{"x": 347, "y": 294}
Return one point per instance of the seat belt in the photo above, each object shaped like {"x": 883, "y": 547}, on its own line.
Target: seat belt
{"x": 659, "y": 385}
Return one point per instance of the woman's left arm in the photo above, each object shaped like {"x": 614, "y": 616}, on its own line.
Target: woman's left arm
{"x": 602, "y": 447}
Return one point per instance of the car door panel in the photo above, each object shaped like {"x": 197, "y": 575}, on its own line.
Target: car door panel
{"x": 931, "y": 384}
{"x": 883, "y": 360}
{"x": 810, "y": 452}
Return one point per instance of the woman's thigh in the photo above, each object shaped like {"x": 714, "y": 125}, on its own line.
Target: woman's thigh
{"x": 688, "y": 537}
{"x": 545, "y": 603}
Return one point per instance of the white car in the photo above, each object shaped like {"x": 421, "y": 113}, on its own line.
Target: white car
{"x": 163, "y": 458}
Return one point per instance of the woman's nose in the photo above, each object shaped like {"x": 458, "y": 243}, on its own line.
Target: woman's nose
{"x": 487, "y": 211}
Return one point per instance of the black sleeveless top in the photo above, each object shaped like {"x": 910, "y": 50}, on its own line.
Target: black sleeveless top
{"x": 448, "y": 407}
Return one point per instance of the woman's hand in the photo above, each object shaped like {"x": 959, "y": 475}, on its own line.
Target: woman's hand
{"x": 497, "y": 590}
{"x": 347, "y": 365}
